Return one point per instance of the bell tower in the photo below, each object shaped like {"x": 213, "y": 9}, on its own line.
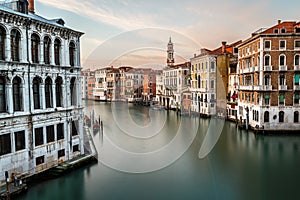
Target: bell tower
{"x": 170, "y": 51}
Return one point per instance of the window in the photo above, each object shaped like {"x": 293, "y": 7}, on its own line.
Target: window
{"x": 281, "y": 99}
{"x": 267, "y": 44}
{"x": 283, "y": 30}
{"x": 297, "y": 44}
{"x": 39, "y": 160}
{"x": 48, "y": 92}
{"x": 282, "y": 60}
{"x": 15, "y": 45}
{"x": 74, "y": 128}
{"x": 58, "y": 91}
{"x": 296, "y": 79}
{"x": 267, "y": 60}
{"x": 296, "y": 99}
{"x": 72, "y": 53}
{"x": 212, "y": 84}
{"x": 57, "y": 46}
{"x": 50, "y": 133}
{"x": 17, "y": 94}
{"x": 296, "y": 60}
{"x": 212, "y": 66}
{"x": 267, "y": 99}
{"x": 60, "y": 131}
{"x": 2, "y": 43}
{"x": 75, "y": 148}
{"x": 296, "y": 117}
{"x": 282, "y": 44}
{"x": 20, "y": 140}
{"x": 47, "y": 45}
{"x": 266, "y": 117}
{"x": 5, "y": 144}
{"x": 35, "y": 42}
{"x": 276, "y": 30}
{"x": 2, "y": 94}
{"x": 36, "y": 92}
{"x": 281, "y": 79}
{"x": 267, "y": 79}
{"x": 39, "y": 137}
{"x": 281, "y": 116}
{"x": 73, "y": 91}
{"x": 61, "y": 153}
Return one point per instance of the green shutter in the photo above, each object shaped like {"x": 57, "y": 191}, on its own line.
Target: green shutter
{"x": 296, "y": 96}
{"x": 296, "y": 78}
{"x": 281, "y": 98}
{"x": 267, "y": 96}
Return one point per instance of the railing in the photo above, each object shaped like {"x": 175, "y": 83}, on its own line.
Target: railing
{"x": 282, "y": 87}
{"x": 283, "y": 68}
{"x": 297, "y": 67}
{"x": 263, "y": 87}
{"x": 267, "y": 68}
{"x": 246, "y": 87}
{"x": 296, "y": 87}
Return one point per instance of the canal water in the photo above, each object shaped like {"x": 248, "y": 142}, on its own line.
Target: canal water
{"x": 154, "y": 154}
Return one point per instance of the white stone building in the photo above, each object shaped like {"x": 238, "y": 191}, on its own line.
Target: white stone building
{"x": 41, "y": 119}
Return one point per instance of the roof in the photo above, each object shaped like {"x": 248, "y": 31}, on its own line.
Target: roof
{"x": 55, "y": 22}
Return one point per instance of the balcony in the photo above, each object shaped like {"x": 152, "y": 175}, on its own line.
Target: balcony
{"x": 297, "y": 67}
{"x": 283, "y": 68}
{"x": 297, "y": 87}
{"x": 247, "y": 70}
{"x": 282, "y": 87}
{"x": 246, "y": 87}
{"x": 263, "y": 88}
{"x": 203, "y": 89}
{"x": 267, "y": 68}
{"x": 256, "y": 68}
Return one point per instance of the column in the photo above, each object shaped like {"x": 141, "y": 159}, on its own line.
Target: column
{"x": 41, "y": 53}
{"x": 66, "y": 58}
{"x": 43, "y": 106}
{"x": 52, "y": 60}
{"x": 10, "y": 104}
{"x": 29, "y": 49}
{"x": 8, "y": 48}
{"x": 53, "y": 95}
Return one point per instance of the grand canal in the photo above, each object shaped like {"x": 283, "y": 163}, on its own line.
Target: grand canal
{"x": 241, "y": 165}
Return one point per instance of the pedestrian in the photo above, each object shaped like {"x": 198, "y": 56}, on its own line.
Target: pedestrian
{"x": 15, "y": 180}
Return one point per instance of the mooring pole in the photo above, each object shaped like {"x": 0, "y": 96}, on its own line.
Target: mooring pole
{"x": 7, "y": 182}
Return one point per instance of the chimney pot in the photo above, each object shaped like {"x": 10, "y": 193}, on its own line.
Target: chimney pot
{"x": 31, "y": 6}
{"x": 279, "y": 21}
{"x": 223, "y": 47}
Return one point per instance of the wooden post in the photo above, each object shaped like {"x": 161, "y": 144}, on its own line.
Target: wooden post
{"x": 7, "y": 187}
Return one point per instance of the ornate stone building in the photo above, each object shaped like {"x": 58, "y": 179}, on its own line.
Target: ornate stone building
{"x": 41, "y": 119}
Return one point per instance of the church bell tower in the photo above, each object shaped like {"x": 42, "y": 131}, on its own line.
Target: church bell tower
{"x": 170, "y": 51}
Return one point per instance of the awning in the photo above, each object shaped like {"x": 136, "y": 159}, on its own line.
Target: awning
{"x": 281, "y": 98}
{"x": 296, "y": 78}
{"x": 267, "y": 96}
{"x": 296, "y": 96}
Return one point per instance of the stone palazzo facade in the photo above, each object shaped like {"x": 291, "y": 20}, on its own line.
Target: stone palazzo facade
{"x": 41, "y": 115}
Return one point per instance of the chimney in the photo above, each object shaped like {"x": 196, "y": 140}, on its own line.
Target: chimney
{"x": 223, "y": 47}
{"x": 31, "y": 6}
{"x": 279, "y": 21}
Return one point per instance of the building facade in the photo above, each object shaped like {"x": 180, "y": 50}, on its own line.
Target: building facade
{"x": 86, "y": 74}
{"x": 269, "y": 78}
{"x": 41, "y": 115}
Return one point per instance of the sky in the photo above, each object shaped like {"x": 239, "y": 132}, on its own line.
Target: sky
{"x": 136, "y": 32}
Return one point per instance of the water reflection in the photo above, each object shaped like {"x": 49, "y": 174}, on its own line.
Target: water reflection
{"x": 242, "y": 165}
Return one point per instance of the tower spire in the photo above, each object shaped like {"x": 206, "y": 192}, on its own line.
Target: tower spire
{"x": 170, "y": 52}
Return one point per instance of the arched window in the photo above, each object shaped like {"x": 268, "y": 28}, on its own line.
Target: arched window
{"x": 72, "y": 53}
{"x": 266, "y": 117}
{"x": 58, "y": 91}
{"x": 47, "y": 45}
{"x": 296, "y": 117}
{"x": 281, "y": 116}
{"x": 282, "y": 60}
{"x": 2, "y": 43}
{"x": 36, "y": 92}
{"x": 15, "y": 45}
{"x": 48, "y": 92}
{"x": 17, "y": 94}
{"x": 57, "y": 46}
{"x": 297, "y": 60}
{"x": 2, "y": 94}
{"x": 73, "y": 91}
{"x": 267, "y": 79}
{"x": 35, "y": 42}
{"x": 267, "y": 60}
